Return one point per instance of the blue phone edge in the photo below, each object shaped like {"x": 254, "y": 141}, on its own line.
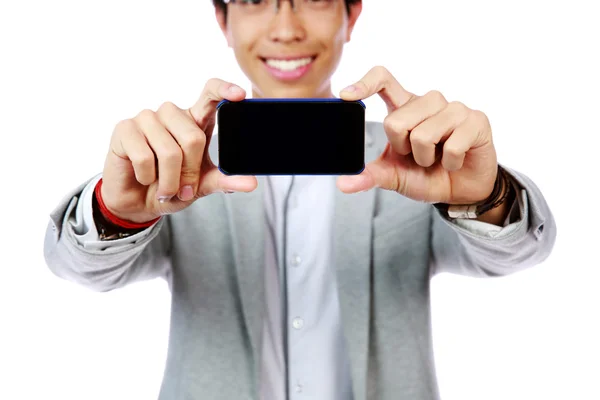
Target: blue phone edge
{"x": 293, "y": 100}
{"x": 338, "y": 174}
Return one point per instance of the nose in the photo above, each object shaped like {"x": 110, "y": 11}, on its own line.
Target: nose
{"x": 286, "y": 26}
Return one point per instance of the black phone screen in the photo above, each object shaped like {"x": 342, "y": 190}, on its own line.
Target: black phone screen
{"x": 291, "y": 137}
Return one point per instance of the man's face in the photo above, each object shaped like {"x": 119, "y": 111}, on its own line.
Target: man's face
{"x": 289, "y": 53}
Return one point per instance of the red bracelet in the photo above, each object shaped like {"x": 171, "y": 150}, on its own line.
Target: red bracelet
{"x": 113, "y": 219}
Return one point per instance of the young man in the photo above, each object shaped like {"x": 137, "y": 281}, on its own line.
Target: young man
{"x": 361, "y": 250}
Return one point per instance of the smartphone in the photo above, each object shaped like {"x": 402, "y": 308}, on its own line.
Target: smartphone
{"x": 291, "y": 137}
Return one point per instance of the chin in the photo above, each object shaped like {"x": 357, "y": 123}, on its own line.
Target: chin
{"x": 298, "y": 90}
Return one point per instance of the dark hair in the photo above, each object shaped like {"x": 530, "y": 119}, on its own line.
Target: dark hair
{"x": 220, "y": 4}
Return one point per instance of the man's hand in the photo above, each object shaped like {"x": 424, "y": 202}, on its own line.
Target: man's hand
{"x": 158, "y": 162}
{"x": 436, "y": 152}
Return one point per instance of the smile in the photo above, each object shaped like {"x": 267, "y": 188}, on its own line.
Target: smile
{"x": 288, "y": 65}
{"x": 288, "y": 68}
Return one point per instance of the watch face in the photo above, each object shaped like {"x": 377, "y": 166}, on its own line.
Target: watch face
{"x": 106, "y": 231}
{"x": 462, "y": 212}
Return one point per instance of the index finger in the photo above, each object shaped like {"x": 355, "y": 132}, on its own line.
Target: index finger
{"x": 379, "y": 80}
{"x": 215, "y": 90}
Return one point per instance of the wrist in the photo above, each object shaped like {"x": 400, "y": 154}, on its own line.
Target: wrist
{"x": 109, "y": 225}
{"x": 491, "y": 209}
{"x": 498, "y": 214}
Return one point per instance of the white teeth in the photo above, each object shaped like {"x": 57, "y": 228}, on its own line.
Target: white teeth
{"x": 289, "y": 65}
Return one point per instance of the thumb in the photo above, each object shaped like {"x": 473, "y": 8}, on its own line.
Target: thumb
{"x": 214, "y": 181}
{"x": 375, "y": 174}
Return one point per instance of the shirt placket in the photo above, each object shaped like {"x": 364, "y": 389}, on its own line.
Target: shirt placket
{"x": 299, "y": 317}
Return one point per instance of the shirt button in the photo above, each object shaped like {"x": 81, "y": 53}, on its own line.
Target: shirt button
{"x": 296, "y": 260}
{"x": 298, "y": 323}
{"x": 298, "y": 388}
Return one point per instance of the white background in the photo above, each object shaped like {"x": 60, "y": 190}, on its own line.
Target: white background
{"x": 70, "y": 70}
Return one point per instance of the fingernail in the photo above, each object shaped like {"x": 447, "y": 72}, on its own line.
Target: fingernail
{"x": 164, "y": 199}
{"x": 350, "y": 89}
{"x": 186, "y": 193}
{"x": 235, "y": 89}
